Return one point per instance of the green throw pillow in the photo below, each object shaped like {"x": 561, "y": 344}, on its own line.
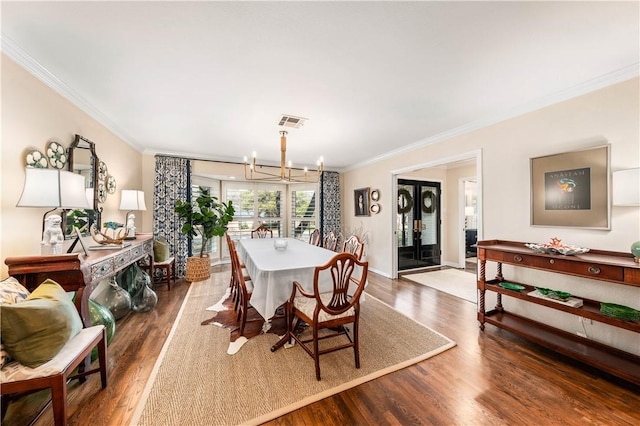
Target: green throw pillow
{"x": 160, "y": 250}
{"x": 34, "y": 330}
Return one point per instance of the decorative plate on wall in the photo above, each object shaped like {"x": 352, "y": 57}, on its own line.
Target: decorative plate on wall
{"x": 36, "y": 159}
{"x": 57, "y": 155}
{"x": 102, "y": 171}
{"x": 102, "y": 192}
{"x": 375, "y": 208}
{"x": 111, "y": 184}
{"x": 375, "y": 195}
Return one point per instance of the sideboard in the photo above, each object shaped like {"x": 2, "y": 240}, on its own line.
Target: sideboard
{"x": 80, "y": 273}
{"x": 603, "y": 266}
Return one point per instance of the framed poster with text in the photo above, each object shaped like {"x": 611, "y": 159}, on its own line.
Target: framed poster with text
{"x": 571, "y": 189}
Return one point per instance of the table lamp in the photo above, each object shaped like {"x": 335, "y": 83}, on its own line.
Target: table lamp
{"x": 131, "y": 199}
{"x": 57, "y": 189}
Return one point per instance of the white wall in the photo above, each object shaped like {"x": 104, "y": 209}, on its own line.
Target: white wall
{"x": 32, "y": 115}
{"x": 610, "y": 115}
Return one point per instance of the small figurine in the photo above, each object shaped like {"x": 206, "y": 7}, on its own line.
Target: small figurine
{"x": 53, "y": 235}
{"x": 131, "y": 225}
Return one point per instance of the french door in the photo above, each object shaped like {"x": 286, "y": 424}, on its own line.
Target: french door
{"x": 418, "y": 224}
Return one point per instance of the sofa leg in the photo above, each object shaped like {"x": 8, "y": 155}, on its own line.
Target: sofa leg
{"x": 59, "y": 400}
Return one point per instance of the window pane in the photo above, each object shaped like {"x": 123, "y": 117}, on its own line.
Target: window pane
{"x": 269, "y": 203}
{"x": 243, "y": 201}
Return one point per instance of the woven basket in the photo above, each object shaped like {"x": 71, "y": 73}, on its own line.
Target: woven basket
{"x": 198, "y": 269}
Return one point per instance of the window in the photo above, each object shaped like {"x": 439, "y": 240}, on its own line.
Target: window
{"x": 256, "y": 204}
{"x": 303, "y": 211}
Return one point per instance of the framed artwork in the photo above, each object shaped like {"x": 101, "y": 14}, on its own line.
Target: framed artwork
{"x": 361, "y": 200}
{"x": 571, "y": 189}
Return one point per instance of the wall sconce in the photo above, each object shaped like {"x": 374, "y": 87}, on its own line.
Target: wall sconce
{"x": 58, "y": 189}
{"x": 626, "y": 187}
{"x": 131, "y": 199}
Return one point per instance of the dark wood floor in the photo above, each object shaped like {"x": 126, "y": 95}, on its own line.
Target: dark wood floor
{"x": 490, "y": 377}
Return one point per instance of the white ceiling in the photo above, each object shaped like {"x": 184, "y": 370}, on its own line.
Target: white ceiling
{"x": 211, "y": 79}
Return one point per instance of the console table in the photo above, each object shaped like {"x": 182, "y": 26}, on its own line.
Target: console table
{"x": 77, "y": 272}
{"x": 604, "y": 266}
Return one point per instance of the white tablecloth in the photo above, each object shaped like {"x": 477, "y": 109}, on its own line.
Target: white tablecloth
{"x": 273, "y": 271}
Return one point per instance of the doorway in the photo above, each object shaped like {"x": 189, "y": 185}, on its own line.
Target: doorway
{"x": 418, "y": 224}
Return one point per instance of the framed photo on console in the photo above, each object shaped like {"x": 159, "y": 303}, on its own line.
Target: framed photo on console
{"x": 571, "y": 189}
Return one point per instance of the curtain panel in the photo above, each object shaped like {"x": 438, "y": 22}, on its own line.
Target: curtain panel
{"x": 172, "y": 182}
{"x": 330, "y": 203}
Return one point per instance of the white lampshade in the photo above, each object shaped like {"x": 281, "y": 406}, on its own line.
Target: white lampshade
{"x": 626, "y": 187}
{"x": 53, "y": 188}
{"x": 131, "y": 199}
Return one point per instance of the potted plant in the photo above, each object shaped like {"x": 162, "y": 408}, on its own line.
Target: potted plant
{"x": 208, "y": 218}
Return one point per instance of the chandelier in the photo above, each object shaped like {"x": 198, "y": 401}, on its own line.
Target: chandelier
{"x": 287, "y": 173}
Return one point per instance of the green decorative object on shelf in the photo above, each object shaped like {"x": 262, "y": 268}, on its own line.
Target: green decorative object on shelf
{"x": 620, "y": 311}
{"x": 635, "y": 250}
{"x": 511, "y": 286}
{"x": 554, "y": 294}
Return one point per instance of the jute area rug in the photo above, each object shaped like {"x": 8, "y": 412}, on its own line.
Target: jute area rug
{"x": 452, "y": 281}
{"x": 195, "y": 381}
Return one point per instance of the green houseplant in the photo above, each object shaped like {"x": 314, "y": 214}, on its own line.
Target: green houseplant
{"x": 208, "y": 218}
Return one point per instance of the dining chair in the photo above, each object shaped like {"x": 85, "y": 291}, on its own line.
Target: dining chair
{"x": 329, "y": 311}
{"x": 315, "y": 238}
{"x": 354, "y": 246}
{"x": 331, "y": 241}
{"x": 261, "y": 232}
{"x": 243, "y": 287}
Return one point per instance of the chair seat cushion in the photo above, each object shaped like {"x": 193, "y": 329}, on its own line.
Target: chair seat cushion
{"x": 36, "y": 329}
{"x": 166, "y": 262}
{"x": 307, "y": 305}
{"x": 14, "y": 371}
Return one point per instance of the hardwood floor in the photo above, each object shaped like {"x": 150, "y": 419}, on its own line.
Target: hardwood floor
{"x": 490, "y": 377}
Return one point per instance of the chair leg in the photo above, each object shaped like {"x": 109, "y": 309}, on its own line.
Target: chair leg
{"x": 316, "y": 356}
{"x": 102, "y": 358}
{"x": 59, "y": 400}
{"x": 356, "y": 347}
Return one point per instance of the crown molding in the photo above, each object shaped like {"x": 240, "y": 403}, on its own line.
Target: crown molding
{"x": 597, "y": 83}
{"x": 26, "y": 61}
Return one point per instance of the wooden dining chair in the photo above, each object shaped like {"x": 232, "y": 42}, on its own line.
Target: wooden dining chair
{"x": 262, "y": 232}
{"x": 315, "y": 239}
{"x": 331, "y": 241}
{"x": 354, "y": 246}
{"x": 243, "y": 287}
{"x": 329, "y": 311}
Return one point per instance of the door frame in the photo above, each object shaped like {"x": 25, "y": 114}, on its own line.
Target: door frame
{"x": 395, "y": 174}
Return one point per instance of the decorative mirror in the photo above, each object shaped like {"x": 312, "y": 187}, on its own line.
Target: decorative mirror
{"x": 84, "y": 161}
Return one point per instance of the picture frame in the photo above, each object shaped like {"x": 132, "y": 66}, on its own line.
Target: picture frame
{"x": 571, "y": 189}
{"x": 361, "y": 198}
{"x": 78, "y": 239}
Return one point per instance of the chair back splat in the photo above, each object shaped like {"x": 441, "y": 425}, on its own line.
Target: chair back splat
{"x": 262, "y": 232}
{"x": 315, "y": 238}
{"x": 331, "y": 241}
{"x": 330, "y": 310}
{"x": 354, "y": 246}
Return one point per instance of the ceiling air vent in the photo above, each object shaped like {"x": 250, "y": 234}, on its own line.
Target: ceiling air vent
{"x": 292, "y": 121}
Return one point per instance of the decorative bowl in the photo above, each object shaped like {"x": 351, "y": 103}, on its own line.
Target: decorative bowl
{"x": 554, "y": 294}
{"x": 564, "y": 249}
{"x": 511, "y": 286}
{"x": 280, "y": 244}
{"x": 620, "y": 311}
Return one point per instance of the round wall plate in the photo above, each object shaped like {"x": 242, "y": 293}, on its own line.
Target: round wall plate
{"x": 375, "y": 195}
{"x": 102, "y": 171}
{"x": 375, "y": 208}
{"x": 102, "y": 192}
{"x": 35, "y": 159}
{"x": 57, "y": 155}
{"x": 111, "y": 184}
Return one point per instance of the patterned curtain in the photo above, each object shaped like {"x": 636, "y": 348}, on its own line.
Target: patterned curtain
{"x": 330, "y": 203}
{"x": 172, "y": 182}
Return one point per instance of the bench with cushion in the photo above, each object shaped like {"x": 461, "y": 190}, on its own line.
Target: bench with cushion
{"x": 43, "y": 342}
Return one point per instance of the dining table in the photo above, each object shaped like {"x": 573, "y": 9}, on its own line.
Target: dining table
{"x": 273, "y": 270}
